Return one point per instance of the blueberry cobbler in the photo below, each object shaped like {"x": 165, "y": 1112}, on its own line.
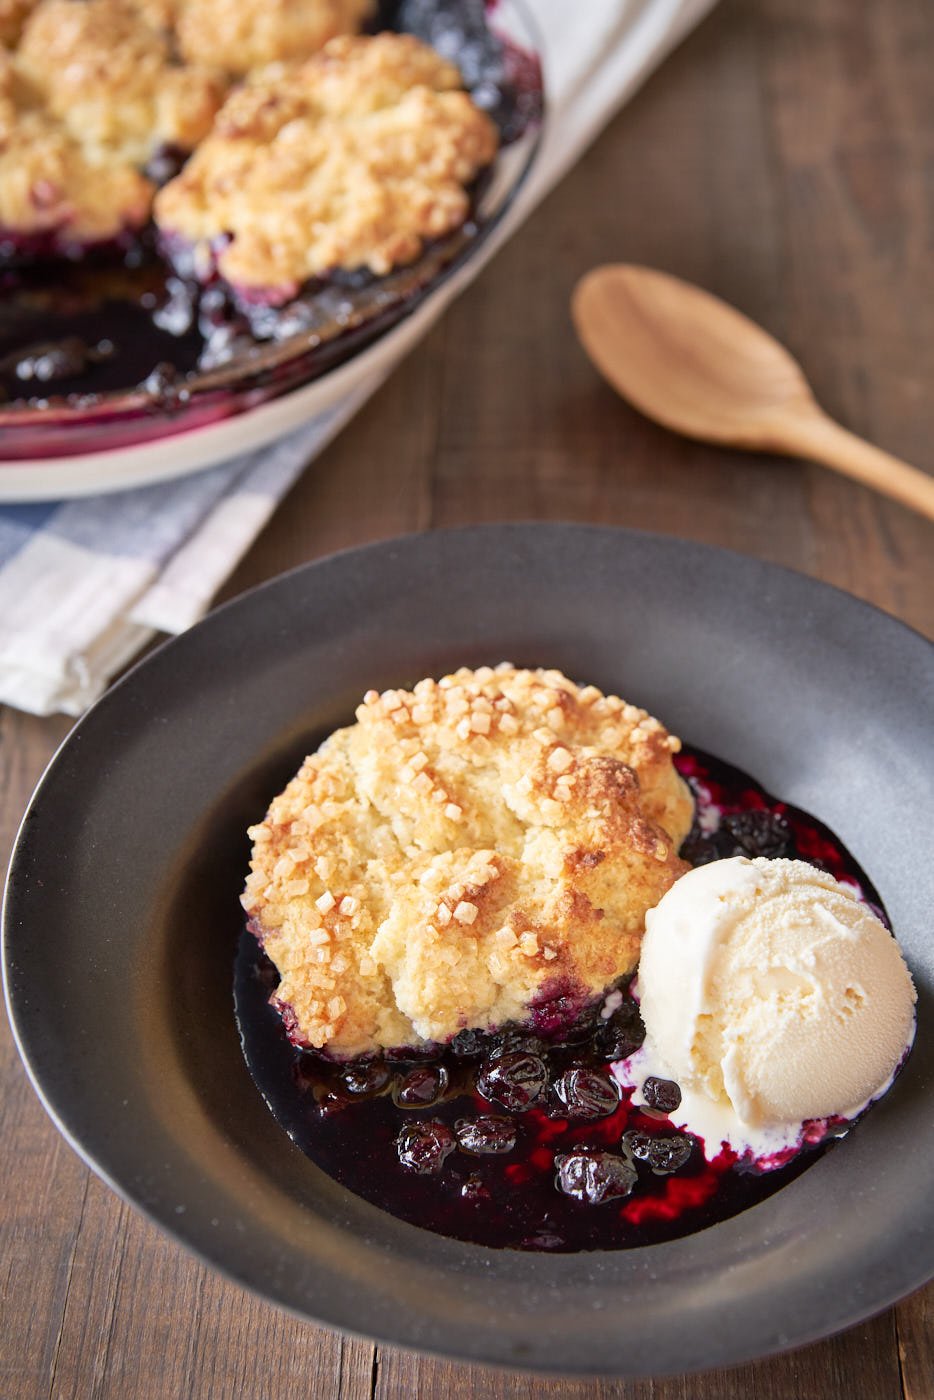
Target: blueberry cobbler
{"x": 350, "y": 160}
{"x": 183, "y": 179}
{"x": 520, "y": 969}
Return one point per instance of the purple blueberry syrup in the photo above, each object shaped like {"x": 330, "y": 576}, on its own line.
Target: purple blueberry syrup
{"x": 521, "y": 1139}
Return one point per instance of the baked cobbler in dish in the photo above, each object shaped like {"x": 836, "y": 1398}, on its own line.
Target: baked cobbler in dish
{"x": 352, "y": 159}
{"x": 182, "y": 181}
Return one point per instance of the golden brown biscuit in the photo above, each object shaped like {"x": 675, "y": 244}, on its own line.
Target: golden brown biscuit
{"x": 465, "y": 853}
{"x": 352, "y": 159}
{"x": 13, "y": 15}
{"x": 49, "y": 187}
{"x": 243, "y": 34}
{"x": 108, "y": 75}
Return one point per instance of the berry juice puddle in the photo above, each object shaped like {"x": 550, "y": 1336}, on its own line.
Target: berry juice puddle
{"x": 130, "y": 315}
{"x": 518, "y": 1140}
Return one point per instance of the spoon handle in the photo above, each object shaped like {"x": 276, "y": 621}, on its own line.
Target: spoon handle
{"x": 820, "y": 438}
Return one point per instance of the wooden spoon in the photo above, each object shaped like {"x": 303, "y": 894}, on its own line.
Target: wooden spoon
{"x": 686, "y": 359}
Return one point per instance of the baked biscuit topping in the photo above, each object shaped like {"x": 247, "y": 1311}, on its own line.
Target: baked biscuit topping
{"x": 349, "y": 155}
{"x": 465, "y": 852}
{"x": 90, "y": 94}
{"x": 108, "y": 74}
{"x": 12, "y": 17}
{"x": 244, "y": 34}
{"x": 353, "y": 159}
{"x": 50, "y": 187}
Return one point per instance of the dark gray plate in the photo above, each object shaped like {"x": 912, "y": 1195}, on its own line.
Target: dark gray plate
{"x": 121, "y": 918}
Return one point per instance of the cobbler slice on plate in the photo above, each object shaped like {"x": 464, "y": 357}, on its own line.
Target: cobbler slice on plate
{"x": 476, "y": 851}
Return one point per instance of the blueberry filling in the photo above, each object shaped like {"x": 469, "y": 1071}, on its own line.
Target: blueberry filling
{"x": 423, "y": 1147}
{"x": 422, "y": 1087}
{"x": 586, "y": 1093}
{"x": 663, "y": 1094}
{"x": 469, "y": 1045}
{"x": 366, "y": 1077}
{"x": 622, "y": 1033}
{"x": 514, "y": 1079}
{"x": 663, "y": 1154}
{"x": 594, "y": 1177}
{"x": 483, "y": 1137}
{"x": 524, "y": 1139}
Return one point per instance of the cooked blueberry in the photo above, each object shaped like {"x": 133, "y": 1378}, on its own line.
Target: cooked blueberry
{"x": 484, "y": 1136}
{"x": 365, "y": 1077}
{"x": 310, "y": 1073}
{"x": 698, "y": 850}
{"x": 417, "y": 1054}
{"x": 759, "y": 833}
{"x": 475, "y": 1188}
{"x": 213, "y": 307}
{"x": 422, "y": 1086}
{"x": 468, "y": 1044}
{"x": 581, "y": 1030}
{"x": 176, "y": 314}
{"x": 586, "y": 1093}
{"x": 663, "y": 1154}
{"x": 622, "y": 1033}
{"x": 663, "y": 1094}
{"x": 507, "y": 1041}
{"x": 552, "y": 1016}
{"x": 331, "y": 1101}
{"x": 423, "y": 1147}
{"x": 514, "y": 1079}
{"x": 594, "y": 1177}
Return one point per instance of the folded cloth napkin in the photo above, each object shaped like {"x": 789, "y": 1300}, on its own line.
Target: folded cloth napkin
{"x": 85, "y": 584}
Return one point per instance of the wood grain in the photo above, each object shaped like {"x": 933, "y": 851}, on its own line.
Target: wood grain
{"x": 779, "y": 158}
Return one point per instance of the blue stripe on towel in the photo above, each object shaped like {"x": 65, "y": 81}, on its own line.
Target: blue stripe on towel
{"x": 19, "y": 523}
{"x": 148, "y": 522}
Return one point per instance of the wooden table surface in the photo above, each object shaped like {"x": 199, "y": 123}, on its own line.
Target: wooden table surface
{"x": 783, "y": 159}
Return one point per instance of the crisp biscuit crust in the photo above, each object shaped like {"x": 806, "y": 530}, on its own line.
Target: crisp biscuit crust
{"x": 243, "y": 34}
{"x": 48, "y": 184}
{"x": 108, "y": 74}
{"x": 90, "y": 93}
{"x": 353, "y": 159}
{"x": 350, "y": 158}
{"x": 463, "y": 852}
{"x": 13, "y": 15}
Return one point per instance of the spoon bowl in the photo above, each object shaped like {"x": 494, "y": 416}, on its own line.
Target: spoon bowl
{"x": 701, "y": 368}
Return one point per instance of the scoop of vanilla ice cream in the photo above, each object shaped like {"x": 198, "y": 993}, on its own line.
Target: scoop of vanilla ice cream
{"x": 768, "y": 987}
